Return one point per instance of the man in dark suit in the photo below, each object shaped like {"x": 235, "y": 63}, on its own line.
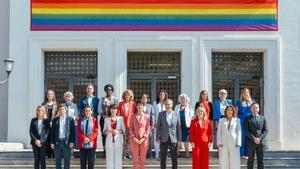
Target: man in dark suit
{"x": 90, "y": 100}
{"x": 62, "y": 137}
{"x": 256, "y": 130}
{"x": 168, "y": 133}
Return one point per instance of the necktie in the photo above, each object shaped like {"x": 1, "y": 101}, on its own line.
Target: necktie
{"x": 255, "y": 120}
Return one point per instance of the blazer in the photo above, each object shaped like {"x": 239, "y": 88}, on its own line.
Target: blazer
{"x": 255, "y": 130}
{"x": 93, "y": 137}
{"x": 140, "y": 127}
{"x": 69, "y": 134}
{"x": 231, "y": 136}
{"x": 217, "y": 112}
{"x": 156, "y": 112}
{"x": 189, "y": 114}
{"x": 198, "y": 134}
{"x": 84, "y": 102}
{"x": 164, "y": 131}
{"x": 118, "y": 137}
{"x": 72, "y": 111}
{"x": 33, "y": 131}
{"x": 104, "y": 104}
{"x": 211, "y": 112}
{"x": 122, "y": 110}
{"x": 150, "y": 112}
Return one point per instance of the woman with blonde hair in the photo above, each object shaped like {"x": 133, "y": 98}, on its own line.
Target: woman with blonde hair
{"x": 127, "y": 108}
{"x": 39, "y": 133}
{"x": 200, "y": 139}
{"x": 229, "y": 140}
{"x": 243, "y": 109}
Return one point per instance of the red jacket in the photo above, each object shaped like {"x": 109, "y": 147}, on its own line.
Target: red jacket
{"x": 81, "y": 135}
{"x": 198, "y": 134}
{"x": 122, "y": 110}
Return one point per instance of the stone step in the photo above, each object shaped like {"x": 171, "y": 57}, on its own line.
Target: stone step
{"x": 273, "y": 159}
{"x": 147, "y": 166}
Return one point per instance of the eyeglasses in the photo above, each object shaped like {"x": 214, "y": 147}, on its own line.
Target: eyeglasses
{"x": 108, "y": 89}
{"x": 223, "y": 93}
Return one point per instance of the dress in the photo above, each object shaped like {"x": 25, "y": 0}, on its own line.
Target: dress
{"x": 244, "y": 111}
{"x": 200, "y": 136}
{"x": 184, "y": 128}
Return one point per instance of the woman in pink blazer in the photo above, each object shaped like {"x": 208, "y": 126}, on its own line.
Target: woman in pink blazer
{"x": 139, "y": 130}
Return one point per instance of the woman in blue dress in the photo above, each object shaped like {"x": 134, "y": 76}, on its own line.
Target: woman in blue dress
{"x": 243, "y": 108}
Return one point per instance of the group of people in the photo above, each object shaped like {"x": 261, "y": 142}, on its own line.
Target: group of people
{"x": 131, "y": 129}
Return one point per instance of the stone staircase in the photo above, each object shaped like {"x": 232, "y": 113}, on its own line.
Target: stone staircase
{"x": 273, "y": 159}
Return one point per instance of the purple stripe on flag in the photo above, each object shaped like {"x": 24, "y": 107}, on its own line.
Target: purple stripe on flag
{"x": 45, "y": 27}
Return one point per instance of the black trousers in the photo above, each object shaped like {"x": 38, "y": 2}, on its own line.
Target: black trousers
{"x": 149, "y": 151}
{"x": 259, "y": 150}
{"x": 87, "y": 156}
{"x": 49, "y": 150}
{"x": 101, "y": 123}
{"x": 39, "y": 154}
{"x": 164, "y": 151}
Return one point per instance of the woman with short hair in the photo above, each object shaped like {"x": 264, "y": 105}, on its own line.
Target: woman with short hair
{"x": 139, "y": 130}
{"x": 186, "y": 114}
{"x": 219, "y": 106}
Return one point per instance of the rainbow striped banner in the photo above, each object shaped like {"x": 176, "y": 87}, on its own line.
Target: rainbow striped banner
{"x": 154, "y": 15}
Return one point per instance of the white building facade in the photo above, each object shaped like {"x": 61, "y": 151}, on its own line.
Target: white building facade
{"x": 280, "y": 77}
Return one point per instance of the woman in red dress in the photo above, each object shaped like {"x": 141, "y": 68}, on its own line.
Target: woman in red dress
{"x": 200, "y": 139}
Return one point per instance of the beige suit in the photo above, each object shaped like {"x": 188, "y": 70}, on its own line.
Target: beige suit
{"x": 229, "y": 154}
{"x": 114, "y": 150}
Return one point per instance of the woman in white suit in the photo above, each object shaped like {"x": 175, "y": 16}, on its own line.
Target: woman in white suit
{"x": 186, "y": 114}
{"x": 114, "y": 129}
{"x": 229, "y": 140}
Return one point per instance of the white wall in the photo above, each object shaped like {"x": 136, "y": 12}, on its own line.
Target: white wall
{"x": 283, "y": 78}
{"x": 4, "y": 40}
{"x": 289, "y": 30}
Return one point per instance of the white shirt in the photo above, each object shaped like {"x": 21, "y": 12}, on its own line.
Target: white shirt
{"x": 127, "y": 108}
{"x": 90, "y": 100}
{"x": 169, "y": 117}
{"x": 40, "y": 125}
{"x": 62, "y": 127}
{"x": 161, "y": 107}
{"x": 222, "y": 108}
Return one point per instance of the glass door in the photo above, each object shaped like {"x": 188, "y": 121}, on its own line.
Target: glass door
{"x": 70, "y": 71}
{"x": 149, "y": 72}
{"x": 234, "y": 71}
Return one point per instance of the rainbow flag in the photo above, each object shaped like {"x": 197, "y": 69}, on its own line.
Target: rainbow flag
{"x": 154, "y": 15}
